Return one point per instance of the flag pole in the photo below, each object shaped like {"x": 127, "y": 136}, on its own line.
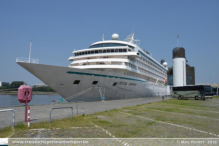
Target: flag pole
{"x": 177, "y": 40}
{"x": 30, "y": 50}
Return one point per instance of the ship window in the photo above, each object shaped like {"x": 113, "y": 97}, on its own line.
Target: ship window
{"x": 82, "y": 53}
{"x": 95, "y": 82}
{"x": 75, "y": 54}
{"x": 104, "y": 51}
{"x": 76, "y": 82}
{"x": 112, "y": 50}
{"x": 124, "y": 50}
{"x": 114, "y": 84}
{"x": 108, "y": 50}
{"x": 96, "y": 51}
{"x": 100, "y": 51}
{"x": 107, "y": 45}
{"x": 85, "y": 52}
{"x": 92, "y": 52}
{"x": 88, "y": 52}
{"x": 131, "y": 47}
{"x": 120, "y": 50}
{"x": 116, "y": 50}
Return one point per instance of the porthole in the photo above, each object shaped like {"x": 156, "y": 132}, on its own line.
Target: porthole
{"x": 95, "y": 82}
{"x": 76, "y": 82}
{"x": 114, "y": 84}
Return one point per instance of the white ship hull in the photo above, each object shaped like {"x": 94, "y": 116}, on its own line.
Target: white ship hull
{"x": 61, "y": 80}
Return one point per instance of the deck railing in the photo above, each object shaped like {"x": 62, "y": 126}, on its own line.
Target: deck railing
{"x": 31, "y": 60}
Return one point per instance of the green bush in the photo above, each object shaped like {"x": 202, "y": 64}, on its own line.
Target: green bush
{"x": 42, "y": 89}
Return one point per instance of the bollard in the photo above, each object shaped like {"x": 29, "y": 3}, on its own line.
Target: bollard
{"x": 28, "y": 116}
{"x": 162, "y": 97}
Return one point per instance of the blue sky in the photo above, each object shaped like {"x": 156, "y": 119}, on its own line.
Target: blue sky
{"x": 58, "y": 27}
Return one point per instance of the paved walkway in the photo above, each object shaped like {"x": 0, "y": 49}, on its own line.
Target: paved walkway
{"x": 41, "y": 112}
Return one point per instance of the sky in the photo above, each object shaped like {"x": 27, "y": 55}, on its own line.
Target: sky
{"x": 56, "y": 28}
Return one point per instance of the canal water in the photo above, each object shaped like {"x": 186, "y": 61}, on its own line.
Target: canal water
{"x": 11, "y": 100}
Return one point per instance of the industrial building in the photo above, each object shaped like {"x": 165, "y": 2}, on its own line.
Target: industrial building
{"x": 4, "y": 84}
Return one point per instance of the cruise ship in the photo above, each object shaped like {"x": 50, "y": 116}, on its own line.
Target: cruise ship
{"x": 107, "y": 70}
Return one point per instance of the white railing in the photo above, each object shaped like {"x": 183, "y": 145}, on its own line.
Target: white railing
{"x": 31, "y": 60}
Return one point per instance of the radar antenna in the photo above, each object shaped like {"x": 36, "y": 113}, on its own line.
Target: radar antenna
{"x": 177, "y": 40}
{"x": 103, "y": 37}
{"x": 131, "y": 39}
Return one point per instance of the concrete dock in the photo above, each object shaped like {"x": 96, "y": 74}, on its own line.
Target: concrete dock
{"x": 41, "y": 112}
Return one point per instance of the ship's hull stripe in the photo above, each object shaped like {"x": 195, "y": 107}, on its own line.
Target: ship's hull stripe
{"x": 99, "y": 75}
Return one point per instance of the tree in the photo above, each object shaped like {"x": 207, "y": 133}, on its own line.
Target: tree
{"x": 17, "y": 84}
{"x": 42, "y": 89}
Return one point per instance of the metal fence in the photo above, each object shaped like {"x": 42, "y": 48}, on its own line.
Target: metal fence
{"x": 13, "y": 114}
{"x": 59, "y": 108}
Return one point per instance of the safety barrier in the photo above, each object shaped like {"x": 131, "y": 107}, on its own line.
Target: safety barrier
{"x": 59, "y": 108}
{"x": 27, "y": 60}
{"x": 13, "y": 114}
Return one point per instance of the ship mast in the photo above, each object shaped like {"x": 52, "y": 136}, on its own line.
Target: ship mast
{"x": 131, "y": 39}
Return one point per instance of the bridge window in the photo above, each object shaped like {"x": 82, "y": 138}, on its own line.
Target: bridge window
{"x": 107, "y": 45}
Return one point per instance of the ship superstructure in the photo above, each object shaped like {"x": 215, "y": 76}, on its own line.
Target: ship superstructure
{"x": 120, "y": 56}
